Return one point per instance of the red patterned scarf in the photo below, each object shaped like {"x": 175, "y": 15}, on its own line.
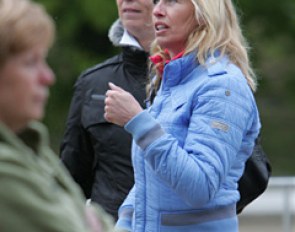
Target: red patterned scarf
{"x": 160, "y": 62}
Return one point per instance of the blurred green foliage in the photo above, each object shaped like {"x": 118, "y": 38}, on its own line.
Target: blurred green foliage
{"x": 269, "y": 25}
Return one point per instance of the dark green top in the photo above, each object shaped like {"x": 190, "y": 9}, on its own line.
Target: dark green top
{"x": 36, "y": 192}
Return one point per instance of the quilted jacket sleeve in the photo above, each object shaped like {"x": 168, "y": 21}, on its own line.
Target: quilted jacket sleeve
{"x": 221, "y": 123}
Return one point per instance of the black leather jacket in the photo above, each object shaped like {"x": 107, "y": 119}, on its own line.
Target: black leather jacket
{"x": 97, "y": 153}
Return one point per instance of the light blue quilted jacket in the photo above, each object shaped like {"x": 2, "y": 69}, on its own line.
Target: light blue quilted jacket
{"x": 190, "y": 149}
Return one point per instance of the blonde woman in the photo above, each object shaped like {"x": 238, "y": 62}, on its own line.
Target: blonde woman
{"x": 36, "y": 192}
{"x": 191, "y": 145}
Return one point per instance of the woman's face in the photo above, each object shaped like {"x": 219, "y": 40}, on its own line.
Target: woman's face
{"x": 24, "y": 81}
{"x": 136, "y": 15}
{"x": 174, "y": 21}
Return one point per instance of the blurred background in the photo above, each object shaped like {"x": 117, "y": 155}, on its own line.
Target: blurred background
{"x": 269, "y": 25}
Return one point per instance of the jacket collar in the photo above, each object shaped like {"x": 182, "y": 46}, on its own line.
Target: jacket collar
{"x": 119, "y": 36}
{"x": 177, "y": 70}
{"x": 129, "y": 40}
{"x": 33, "y": 137}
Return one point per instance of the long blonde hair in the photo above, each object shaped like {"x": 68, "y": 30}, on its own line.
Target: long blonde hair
{"x": 23, "y": 24}
{"x": 219, "y": 29}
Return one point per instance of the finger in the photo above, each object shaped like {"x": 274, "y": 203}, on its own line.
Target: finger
{"x": 107, "y": 117}
{"x": 107, "y": 100}
{"x": 108, "y": 93}
{"x": 115, "y": 87}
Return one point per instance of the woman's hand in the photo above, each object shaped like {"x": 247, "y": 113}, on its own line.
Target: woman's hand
{"x": 93, "y": 220}
{"x": 120, "y": 106}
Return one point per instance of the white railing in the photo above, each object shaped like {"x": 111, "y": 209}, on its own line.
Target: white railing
{"x": 278, "y": 199}
{"x": 287, "y": 185}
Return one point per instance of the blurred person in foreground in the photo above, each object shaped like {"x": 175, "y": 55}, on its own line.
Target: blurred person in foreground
{"x": 190, "y": 147}
{"x": 98, "y": 153}
{"x": 36, "y": 193}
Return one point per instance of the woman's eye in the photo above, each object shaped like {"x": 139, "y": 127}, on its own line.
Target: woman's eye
{"x": 30, "y": 62}
{"x": 166, "y": 1}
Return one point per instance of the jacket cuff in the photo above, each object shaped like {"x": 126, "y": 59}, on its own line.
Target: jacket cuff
{"x": 124, "y": 222}
{"x": 144, "y": 129}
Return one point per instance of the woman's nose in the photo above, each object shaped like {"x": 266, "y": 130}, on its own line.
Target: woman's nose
{"x": 46, "y": 75}
{"x": 159, "y": 10}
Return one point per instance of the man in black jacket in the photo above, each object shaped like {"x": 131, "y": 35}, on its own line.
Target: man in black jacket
{"x": 97, "y": 153}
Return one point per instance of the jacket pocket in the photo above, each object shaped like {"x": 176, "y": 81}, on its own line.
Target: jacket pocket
{"x": 178, "y": 97}
{"x": 93, "y": 110}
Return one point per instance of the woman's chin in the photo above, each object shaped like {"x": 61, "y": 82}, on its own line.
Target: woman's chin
{"x": 37, "y": 114}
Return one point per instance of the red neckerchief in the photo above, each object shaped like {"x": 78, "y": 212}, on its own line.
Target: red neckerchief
{"x": 158, "y": 60}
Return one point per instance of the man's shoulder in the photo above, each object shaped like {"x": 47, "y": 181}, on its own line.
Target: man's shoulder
{"x": 103, "y": 66}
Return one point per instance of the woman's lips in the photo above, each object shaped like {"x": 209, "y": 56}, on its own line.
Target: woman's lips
{"x": 131, "y": 11}
{"x": 160, "y": 27}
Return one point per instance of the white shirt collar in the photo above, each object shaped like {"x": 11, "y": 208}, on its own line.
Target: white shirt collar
{"x": 129, "y": 40}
